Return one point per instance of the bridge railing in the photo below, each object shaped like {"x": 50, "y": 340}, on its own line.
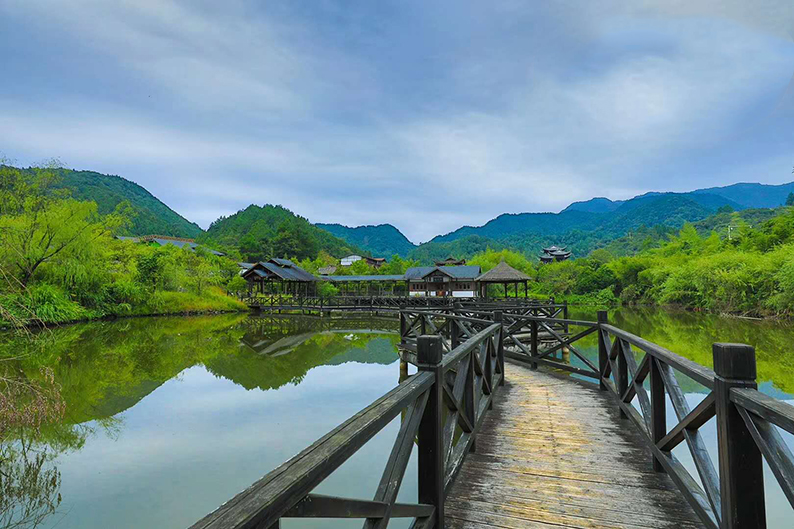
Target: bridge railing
{"x": 747, "y": 421}
{"x": 444, "y": 405}
{"x": 295, "y": 302}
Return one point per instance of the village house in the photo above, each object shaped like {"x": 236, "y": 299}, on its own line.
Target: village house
{"x": 443, "y": 281}
{"x": 375, "y": 262}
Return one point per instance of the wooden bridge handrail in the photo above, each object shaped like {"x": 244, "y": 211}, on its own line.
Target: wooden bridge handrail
{"x": 466, "y": 347}
{"x": 745, "y": 418}
{"x": 695, "y": 371}
{"x": 775, "y": 411}
{"x": 266, "y": 501}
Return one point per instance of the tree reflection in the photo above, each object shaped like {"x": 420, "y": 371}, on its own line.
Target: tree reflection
{"x": 29, "y": 484}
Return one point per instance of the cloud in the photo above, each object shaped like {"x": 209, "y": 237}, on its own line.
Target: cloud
{"x": 424, "y": 116}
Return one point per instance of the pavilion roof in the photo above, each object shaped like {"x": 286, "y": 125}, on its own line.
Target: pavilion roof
{"x": 503, "y": 273}
{"x": 282, "y": 268}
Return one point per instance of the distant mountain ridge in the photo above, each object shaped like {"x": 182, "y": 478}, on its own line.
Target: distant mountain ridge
{"x": 582, "y": 226}
{"x": 382, "y": 240}
{"x": 742, "y": 195}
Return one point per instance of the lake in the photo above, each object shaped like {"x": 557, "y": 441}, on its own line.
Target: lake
{"x": 169, "y": 417}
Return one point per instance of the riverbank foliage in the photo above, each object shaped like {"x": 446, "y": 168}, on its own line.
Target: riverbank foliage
{"x": 60, "y": 262}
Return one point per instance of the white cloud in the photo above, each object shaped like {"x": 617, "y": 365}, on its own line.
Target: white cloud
{"x": 427, "y": 122}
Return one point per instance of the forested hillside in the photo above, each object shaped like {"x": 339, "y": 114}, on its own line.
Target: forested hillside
{"x": 151, "y": 215}
{"x": 383, "y": 240}
{"x": 260, "y": 232}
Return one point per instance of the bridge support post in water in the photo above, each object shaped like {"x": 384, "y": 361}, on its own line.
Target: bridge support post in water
{"x": 603, "y": 360}
{"x": 740, "y": 465}
{"x": 431, "y": 437}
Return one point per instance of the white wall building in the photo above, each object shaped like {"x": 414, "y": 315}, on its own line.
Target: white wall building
{"x": 349, "y": 260}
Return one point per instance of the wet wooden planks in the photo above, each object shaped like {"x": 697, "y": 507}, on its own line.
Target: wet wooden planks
{"x": 554, "y": 453}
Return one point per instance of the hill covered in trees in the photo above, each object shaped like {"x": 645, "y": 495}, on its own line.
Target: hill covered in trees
{"x": 151, "y": 215}
{"x": 259, "y": 232}
{"x": 383, "y": 240}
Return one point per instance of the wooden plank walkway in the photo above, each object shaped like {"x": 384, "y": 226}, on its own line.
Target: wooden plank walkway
{"x": 555, "y": 453}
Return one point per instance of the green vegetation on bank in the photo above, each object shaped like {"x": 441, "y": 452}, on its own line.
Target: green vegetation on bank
{"x": 59, "y": 260}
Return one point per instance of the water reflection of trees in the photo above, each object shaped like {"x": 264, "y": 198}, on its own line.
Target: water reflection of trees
{"x": 101, "y": 369}
{"x": 29, "y": 484}
{"x": 692, "y": 334}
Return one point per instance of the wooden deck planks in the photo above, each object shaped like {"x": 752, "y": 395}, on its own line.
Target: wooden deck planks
{"x": 554, "y": 453}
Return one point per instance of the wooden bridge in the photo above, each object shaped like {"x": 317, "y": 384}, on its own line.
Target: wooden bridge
{"x": 502, "y": 443}
{"x": 285, "y": 303}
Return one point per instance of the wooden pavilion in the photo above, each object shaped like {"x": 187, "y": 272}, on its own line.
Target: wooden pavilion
{"x": 280, "y": 276}
{"x": 503, "y": 274}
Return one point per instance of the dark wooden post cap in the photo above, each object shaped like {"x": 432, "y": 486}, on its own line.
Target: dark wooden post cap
{"x": 428, "y": 350}
{"x": 734, "y": 360}
{"x": 603, "y": 316}
{"x": 497, "y": 315}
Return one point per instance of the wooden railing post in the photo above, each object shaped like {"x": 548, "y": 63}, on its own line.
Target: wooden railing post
{"x": 403, "y": 324}
{"x": 658, "y": 409}
{"x": 431, "y": 437}
{"x": 741, "y": 467}
{"x": 533, "y": 326}
{"x": 500, "y": 351}
{"x": 565, "y": 315}
{"x": 454, "y": 333}
{"x": 603, "y": 359}
{"x": 622, "y": 374}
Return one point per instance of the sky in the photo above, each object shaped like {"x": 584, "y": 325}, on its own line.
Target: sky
{"x": 427, "y": 115}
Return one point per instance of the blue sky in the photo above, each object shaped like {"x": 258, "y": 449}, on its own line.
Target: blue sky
{"x": 424, "y": 114}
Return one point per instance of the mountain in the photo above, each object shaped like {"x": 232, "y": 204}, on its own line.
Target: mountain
{"x": 752, "y": 195}
{"x": 583, "y": 228}
{"x": 742, "y": 195}
{"x": 260, "y": 232}
{"x": 383, "y": 240}
{"x": 153, "y": 216}
{"x": 509, "y": 224}
{"x": 594, "y": 205}
{"x": 430, "y": 252}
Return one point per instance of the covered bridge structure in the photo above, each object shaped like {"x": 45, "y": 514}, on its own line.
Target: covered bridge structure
{"x": 280, "y": 276}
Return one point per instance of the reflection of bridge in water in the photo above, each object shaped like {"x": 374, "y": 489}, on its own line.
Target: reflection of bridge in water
{"x": 539, "y": 449}
{"x": 275, "y": 335}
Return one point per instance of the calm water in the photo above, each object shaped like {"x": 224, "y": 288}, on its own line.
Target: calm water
{"x": 169, "y": 417}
